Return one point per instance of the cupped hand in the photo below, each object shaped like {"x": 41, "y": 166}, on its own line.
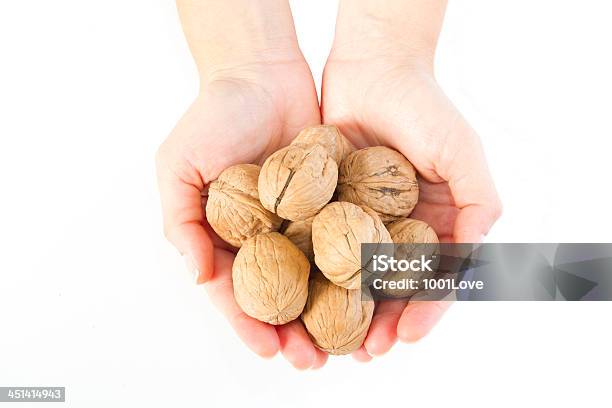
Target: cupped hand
{"x": 380, "y": 100}
{"x": 240, "y": 116}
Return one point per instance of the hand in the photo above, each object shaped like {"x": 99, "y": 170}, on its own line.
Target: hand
{"x": 241, "y": 116}
{"x": 378, "y": 99}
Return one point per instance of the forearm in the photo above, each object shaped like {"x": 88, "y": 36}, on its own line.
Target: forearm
{"x": 228, "y": 34}
{"x": 391, "y": 28}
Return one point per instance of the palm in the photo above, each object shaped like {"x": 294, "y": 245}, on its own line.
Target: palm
{"x": 405, "y": 109}
{"x": 244, "y": 118}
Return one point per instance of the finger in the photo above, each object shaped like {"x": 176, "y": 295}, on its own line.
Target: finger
{"x": 453, "y": 153}
{"x": 419, "y": 318}
{"x": 181, "y": 202}
{"x": 474, "y": 221}
{"x": 438, "y": 216}
{"x": 295, "y": 345}
{"x": 361, "y": 355}
{"x": 435, "y": 192}
{"x": 258, "y": 336}
{"x": 320, "y": 359}
{"x": 472, "y": 188}
{"x": 383, "y": 329}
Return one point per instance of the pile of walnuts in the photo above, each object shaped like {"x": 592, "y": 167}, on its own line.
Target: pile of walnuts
{"x": 299, "y": 222}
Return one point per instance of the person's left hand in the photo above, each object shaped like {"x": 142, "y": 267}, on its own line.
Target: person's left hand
{"x": 379, "y": 100}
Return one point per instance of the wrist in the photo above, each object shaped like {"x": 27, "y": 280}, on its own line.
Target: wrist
{"x": 248, "y": 61}
{"x": 383, "y": 57}
{"x": 225, "y": 35}
{"x": 265, "y": 74}
{"x": 270, "y": 79}
{"x": 405, "y": 31}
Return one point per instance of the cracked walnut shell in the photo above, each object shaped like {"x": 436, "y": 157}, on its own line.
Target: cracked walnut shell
{"x": 337, "y": 234}
{"x": 297, "y": 181}
{"x": 233, "y": 209}
{"x": 328, "y": 136}
{"x": 270, "y": 276}
{"x": 411, "y": 231}
{"x": 337, "y": 320}
{"x": 381, "y": 178}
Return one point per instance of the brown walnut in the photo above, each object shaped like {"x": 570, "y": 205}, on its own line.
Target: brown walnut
{"x": 233, "y": 209}
{"x": 409, "y": 230}
{"x": 297, "y": 181}
{"x": 414, "y": 238}
{"x": 270, "y": 276}
{"x": 381, "y": 178}
{"x": 336, "y": 319}
{"x": 337, "y": 234}
{"x": 328, "y": 136}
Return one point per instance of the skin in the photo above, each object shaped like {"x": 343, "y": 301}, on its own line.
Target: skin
{"x": 257, "y": 92}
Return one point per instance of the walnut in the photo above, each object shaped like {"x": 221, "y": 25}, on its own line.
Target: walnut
{"x": 414, "y": 238}
{"x": 337, "y": 234}
{"x": 233, "y": 209}
{"x": 336, "y": 319}
{"x": 328, "y": 136}
{"x": 270, "y": 277}
{"x": 409, "y": 230}
{"x": 381, "y": 178}
{"x": 297, "y": 181}
{"x": 382, "y": 235}
{"x": 300, "y": 233}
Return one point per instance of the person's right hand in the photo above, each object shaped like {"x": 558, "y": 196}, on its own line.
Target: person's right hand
{"x": 241, "y": 116}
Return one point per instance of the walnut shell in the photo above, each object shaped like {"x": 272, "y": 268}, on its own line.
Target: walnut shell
{"x": 297, "y": 181}
{"x": 337, "y": 234}
{"x": 270, "y": 277}
{"x": 300, "y": 233}
{"x": 381, "y": 178}
{"x": 382, "y": 235}
{"x": 409, "y": 230}
{"x": 414, "y": 238}
{"x": 328, "y": 136}
{"x": 337, "y": 320}
{"x": 233, "y": 209}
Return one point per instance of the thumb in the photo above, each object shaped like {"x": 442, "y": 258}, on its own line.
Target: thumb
{"x": 451, "y": 152}
{"x": 181, "y": 201}
{"x": 472, "y": 187}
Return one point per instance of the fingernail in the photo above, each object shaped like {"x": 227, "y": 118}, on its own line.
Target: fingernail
{"x": 191, "y": 267}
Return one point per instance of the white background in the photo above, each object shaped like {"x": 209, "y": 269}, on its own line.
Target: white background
{"x": 94, "y": 299}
